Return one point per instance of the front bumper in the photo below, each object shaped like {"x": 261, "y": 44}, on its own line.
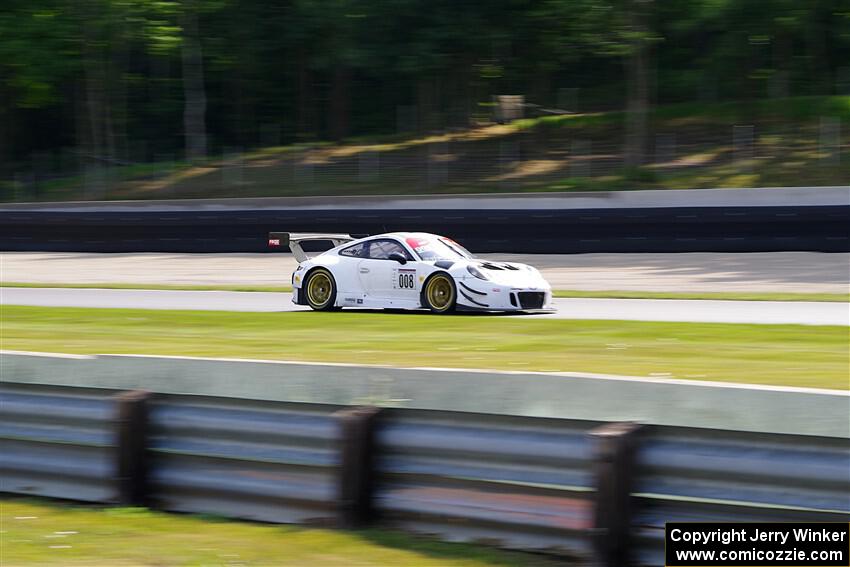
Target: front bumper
{"x": 478, "y": 295}
{"x": 298, "y": 297}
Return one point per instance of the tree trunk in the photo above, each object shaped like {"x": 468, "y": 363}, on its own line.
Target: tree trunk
{"x": 781, "y": 57}
{"x": 817, "y": 32}
{"x": 81, "y": 131}
{"x": 306, "y": 102}
{"x": 425, "y": 104}
{"x": 194, "y": 93}
{"x": 541, "y": 87}
{"x": 108, "y": 119}
{"x": 121, "y": 65}
{"x": 94, "y": 107}
{"x": 6, "y": 129}
{"x": 340, "y": 103}
{"x": 93, "y": 158}
{"x": 637, "y": 87}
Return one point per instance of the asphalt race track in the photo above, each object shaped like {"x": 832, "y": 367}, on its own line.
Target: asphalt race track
{"x": 773, "y": 272}
{"x": 760, "y": 312}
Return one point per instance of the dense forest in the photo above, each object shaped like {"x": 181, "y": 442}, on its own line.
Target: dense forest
{"x": 128, "y": 81}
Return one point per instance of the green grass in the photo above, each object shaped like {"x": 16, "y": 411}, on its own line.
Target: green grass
{"x": 615, "y": 294}
{"x": 38, "y": 533}
{"x": 793, "y": 355}
{"x": 803, "y": 108}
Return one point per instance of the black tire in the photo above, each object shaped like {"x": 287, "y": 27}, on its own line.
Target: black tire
{"x": 320, "y": 290}
{"x": 439, "y": 293}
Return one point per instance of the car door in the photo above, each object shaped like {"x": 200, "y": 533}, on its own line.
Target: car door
{"x": 384, "y": 278}
{"x": 346, "y": 273}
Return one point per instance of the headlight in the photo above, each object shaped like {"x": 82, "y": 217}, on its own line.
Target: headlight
{"x": 476, "y": 272}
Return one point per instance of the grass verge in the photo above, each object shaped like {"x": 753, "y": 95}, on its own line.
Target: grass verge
{"x": 791, "y": 355}
{"x": 566, "y": 293}
{"x": 39, "y": 533}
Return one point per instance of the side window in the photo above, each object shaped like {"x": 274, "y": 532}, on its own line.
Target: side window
{"x": 381, "y": 249}
{"x": 355, "y": 251}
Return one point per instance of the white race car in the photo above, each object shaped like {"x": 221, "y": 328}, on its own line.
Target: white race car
{"x": 408, "y": 270}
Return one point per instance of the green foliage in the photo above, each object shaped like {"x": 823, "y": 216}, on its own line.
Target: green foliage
{"x": 639, "y": 175}
{"x": 309, "y": 70}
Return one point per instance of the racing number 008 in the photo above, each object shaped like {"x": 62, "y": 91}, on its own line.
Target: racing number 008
{"x": 406, "y": 281}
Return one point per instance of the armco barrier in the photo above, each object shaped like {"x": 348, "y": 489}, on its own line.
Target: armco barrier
{"x": 58, "y": 442}
{"x": 526, "y": 483}
{"x": 273, "y": 462}
{"x": 699, "y": 475}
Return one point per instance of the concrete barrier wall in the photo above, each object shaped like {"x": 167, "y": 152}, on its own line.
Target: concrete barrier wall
{"x": 664, "y": 198}
{"x": 738, "y": 407}
{"x": 740, "y": 220}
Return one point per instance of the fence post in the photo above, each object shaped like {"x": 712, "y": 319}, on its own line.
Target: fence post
{"x": 615, "y": 446}
{"x": 131, "y": 424}
{"x": 356, "y": 473}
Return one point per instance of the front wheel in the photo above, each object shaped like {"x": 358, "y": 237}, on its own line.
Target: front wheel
{"x": 320, "y": 290}
{"x": 439, "y": 293}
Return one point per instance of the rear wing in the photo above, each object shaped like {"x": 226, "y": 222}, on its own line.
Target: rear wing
{"x": 294, "y": 240}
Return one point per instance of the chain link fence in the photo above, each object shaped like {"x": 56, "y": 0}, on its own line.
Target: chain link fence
{"x": 478, "y": 160}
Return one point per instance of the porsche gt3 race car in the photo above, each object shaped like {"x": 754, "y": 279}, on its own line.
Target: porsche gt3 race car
{"x": 408, "y": 270}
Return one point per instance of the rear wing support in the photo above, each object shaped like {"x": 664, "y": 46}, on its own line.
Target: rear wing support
{"x": 293, "y": 240}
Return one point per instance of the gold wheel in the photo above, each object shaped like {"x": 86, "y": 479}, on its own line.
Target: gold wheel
{"x": 440, "y": 293}
{"x": 320, "y": 290}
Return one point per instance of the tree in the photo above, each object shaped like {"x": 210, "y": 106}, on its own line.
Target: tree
{"x": 194, "y": 90}
{"x": 638, "y": 37}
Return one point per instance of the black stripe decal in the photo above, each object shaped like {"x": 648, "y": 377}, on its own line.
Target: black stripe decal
{"x": 472, "y": 300}
{"x": 467, "y": 288}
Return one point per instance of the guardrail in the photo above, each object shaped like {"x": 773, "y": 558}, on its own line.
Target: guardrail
{"x": 58, "y": 442}
{"x": 699, "y": 475}
{"x": 596, "y": 492}
{"x": 273, "y": 462}
{"x": 526, "y": 483}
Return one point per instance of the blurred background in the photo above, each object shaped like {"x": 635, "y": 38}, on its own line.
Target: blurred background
{"x": 662, "y": 296}
{"x": 139, "y": 99}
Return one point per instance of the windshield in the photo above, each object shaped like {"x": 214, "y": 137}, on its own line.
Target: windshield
{"x": 437, "y": 248}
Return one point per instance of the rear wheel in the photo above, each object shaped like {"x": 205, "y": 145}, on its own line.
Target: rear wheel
{"x": 439, "y": 293}
{"x": 320, "y": 290}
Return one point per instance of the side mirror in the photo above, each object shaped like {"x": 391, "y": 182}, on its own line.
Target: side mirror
{"x": 398, "y": 257}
